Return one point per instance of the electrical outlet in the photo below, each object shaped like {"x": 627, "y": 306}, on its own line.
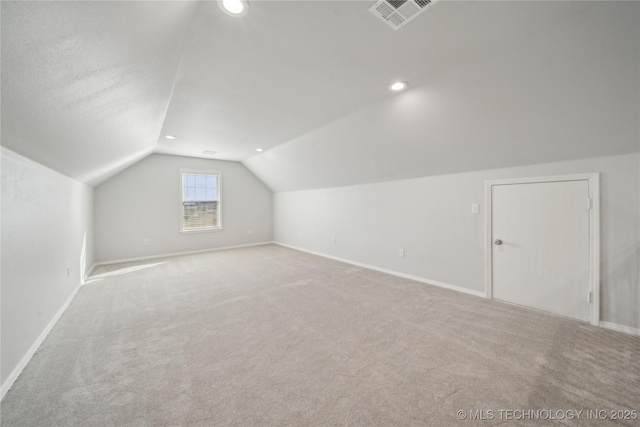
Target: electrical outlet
{"x": 401, "y": 252}
{"x": 333, "y": 241}
{"x": 146, "y": 242}
{"x": 475, "y": 208}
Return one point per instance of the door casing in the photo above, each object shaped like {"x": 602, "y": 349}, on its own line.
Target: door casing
{"x": 594, "y": 233}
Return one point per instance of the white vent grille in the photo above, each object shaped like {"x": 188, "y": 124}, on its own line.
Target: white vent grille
{"x": 397, "y": 13}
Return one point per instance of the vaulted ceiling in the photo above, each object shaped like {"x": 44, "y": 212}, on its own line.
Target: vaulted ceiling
{"x": 89, "y": 88}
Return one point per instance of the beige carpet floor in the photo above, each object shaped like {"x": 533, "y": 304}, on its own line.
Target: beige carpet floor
{"x": 268, "y": 336}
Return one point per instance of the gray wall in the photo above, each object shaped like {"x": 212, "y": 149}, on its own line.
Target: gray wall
{"x": 46, "y": 217}
{"x": 431, "y": 219}
{"x": 143, "y": 201}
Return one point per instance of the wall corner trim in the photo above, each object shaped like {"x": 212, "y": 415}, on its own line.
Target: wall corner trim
{"x": 87, "y": 273}
{"x": 37, "y": 343}
{"x": 391, "y": 272}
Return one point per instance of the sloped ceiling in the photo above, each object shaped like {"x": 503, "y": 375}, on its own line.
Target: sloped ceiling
{"x": 566, "y": 88}
{"x": 91, "y": 87}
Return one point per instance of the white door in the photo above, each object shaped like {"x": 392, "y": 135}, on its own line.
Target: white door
{"x": 540, "y": 246}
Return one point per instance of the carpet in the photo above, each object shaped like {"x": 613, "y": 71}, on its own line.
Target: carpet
{"x": 270, "y": 336}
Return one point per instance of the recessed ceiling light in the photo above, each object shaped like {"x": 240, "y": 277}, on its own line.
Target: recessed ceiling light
{"x": 170, "y": 137}
{"x": 209, "y": 152}
{"x": 234, "y": 7}
{"x": 259, "y": 150}
{"x": 398, "y": 86}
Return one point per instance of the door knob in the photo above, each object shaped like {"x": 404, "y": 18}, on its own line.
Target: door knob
{"x": 498, "y": 242}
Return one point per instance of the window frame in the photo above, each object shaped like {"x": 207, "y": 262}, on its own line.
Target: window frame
{"x": 218, "y": 175}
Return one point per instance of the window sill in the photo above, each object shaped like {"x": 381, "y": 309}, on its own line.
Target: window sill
{"x": 201, "y": 230}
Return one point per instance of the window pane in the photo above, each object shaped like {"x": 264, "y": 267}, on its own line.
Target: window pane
{"x": 201, "y": 180}
{"x": 189, "y": 194}
{"x": 211, "y": 194}
{"x": 211, "y": 181}
{"x": 201, "y": 194}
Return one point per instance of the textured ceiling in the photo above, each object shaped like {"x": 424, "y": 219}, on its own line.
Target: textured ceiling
{"x": 88, "y": 88}
{"x": 85, "y": 85}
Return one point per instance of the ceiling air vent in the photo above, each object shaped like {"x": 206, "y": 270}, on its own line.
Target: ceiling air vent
{"x": 397, "y": 13}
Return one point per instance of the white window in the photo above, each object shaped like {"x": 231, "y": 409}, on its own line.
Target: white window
{"x": 200, "y": 204}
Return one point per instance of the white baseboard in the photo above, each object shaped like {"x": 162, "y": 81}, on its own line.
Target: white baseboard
{"x": 620, "y": 328}
{"x": 36, "y": 344}
{"x": 392, "y": 272}
{"x": 118, "y": 261}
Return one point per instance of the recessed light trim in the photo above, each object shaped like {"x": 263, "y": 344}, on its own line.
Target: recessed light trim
{"x": 398, "y": 86}
{"x": 234, "y": 7}
{"x": 209, "y": 152}
{"x": 170, "y": 137}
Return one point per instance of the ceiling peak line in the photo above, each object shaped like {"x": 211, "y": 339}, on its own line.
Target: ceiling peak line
{"x": 176, "y": 75}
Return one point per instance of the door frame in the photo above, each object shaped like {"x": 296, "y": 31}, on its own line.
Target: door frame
{"x": 594, "y": 232}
